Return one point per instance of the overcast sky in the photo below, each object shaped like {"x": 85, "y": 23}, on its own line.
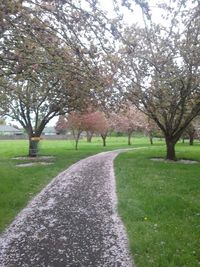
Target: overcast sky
{"x": 136, "y": 16}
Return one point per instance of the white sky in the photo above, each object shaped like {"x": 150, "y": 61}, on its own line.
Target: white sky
{"x": 136, "y": 16}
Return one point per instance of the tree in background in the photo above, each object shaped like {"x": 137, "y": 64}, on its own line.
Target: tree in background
{"x": 196, "y": 124}
{"x": 78, "y": 122}
{"x": 75, "y": 123}
{"x": 104, "y": 125}
{"x": 61, "y": 125}
{"x": 192, "y": 131}
{"x": 129, "y": 120}
{"x": 90, "y": 117}
{"x": 151, "y": 129}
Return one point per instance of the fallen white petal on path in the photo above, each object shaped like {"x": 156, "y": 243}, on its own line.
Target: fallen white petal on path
{"x": 73, "y": 222}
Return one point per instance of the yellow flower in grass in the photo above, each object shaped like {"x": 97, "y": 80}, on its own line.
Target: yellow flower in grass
{"x": 145, "y": 218}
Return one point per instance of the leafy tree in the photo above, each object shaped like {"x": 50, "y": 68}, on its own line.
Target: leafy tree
{"x": 128, "y": 120}
{"x": 192, "y": 131}
{"x": 40, "y": 94}
{"x": 161, "y": 65}
{"x": 151, "y": 129}
{"x": 50, "y": 59}
{"x": 92, "y": 119}
{"x": 104, "y": 125}
{"x": 61, "y": 125}
{"x": 75, "y": 124}
{"x": 196, "y": 124}
{"x": 81, "y": 26}
{"x": 79, "y": 122}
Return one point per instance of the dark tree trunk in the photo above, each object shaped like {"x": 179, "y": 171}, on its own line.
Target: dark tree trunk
{"x": 76, "y": 144}
{"x": 191, "y": 141}
{"x": 89, "y": 137}
{"x": 129, "y": 139}
{"x": 171, "y": 155}
{"x": 33, "y": 146}
{"x": 183, "y": 140}
{"x": 76, "y": 136}
{"x": 151, "y": 140}
{"x": 191, "y": 134}
{"x": 104, "y": 140}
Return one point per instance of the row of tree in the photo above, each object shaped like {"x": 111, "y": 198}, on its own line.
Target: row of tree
{"x": 128, "y": 120}
{"x": 96, "y": 122}
{"x": 60, "y": 56}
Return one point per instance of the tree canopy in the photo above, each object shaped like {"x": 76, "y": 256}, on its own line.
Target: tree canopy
{"x": 161, "y": 63}
{"x": 52, "y": 59}
{"x": 57, "y": 56}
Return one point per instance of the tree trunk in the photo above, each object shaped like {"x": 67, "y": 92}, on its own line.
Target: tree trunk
{"x": 129, "y": 139}
{"x": 76, "y": 144}
{"x": 151, "y": 140}
{"x": 89, "y": 137}
{"x": 170, "y": 149}
{"x": 191, "y": 134}
{"x": 191, "y": 142}
{"x": 33, "y": 146}
{"x": 104, "y": 140}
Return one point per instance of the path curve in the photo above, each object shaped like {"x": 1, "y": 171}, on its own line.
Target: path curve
{"x": 73, "y": 222}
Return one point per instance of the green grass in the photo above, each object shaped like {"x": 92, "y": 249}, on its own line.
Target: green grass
{"x": 159, "y": 203}
{"x": 19, "y": 185}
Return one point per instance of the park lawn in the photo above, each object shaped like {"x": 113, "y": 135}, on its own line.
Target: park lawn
{"x": 19, "y": 185}
{"x": 159, "y": 203}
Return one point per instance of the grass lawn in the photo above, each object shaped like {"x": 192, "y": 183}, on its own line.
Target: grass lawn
{"x": 19, "y": 185}
{"x": 159, "y": 203}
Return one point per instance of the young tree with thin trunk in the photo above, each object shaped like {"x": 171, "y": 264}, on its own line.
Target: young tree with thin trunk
{"x": 151, "y": 129}
{"x": 196, "y": 124}
{"x": 103, "y": 126}
{"x": 129, "y": 120}
{"x": 90, "y": 123}
{"x": 75, "y": 123}
{"x": 192, "y": 131}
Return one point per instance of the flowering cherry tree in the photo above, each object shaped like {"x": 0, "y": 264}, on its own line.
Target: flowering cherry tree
{"x": 103, "y": 126}
{"x": 151, "y": 129}
{"x": 50, "y": 59}
{"x": 192, "y": 131}
{"x": 61, "y": 125}
{"x": 129, "y": 120}
{"x": 90, "y": 118}
{"x": 75, "y": 124}
{"x": 161, "y": 63}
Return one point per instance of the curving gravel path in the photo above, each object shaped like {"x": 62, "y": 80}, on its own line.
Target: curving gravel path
{"x": 73, "y": 222}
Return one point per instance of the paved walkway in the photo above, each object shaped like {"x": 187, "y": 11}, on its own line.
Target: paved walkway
{"x": 71, "y": 223}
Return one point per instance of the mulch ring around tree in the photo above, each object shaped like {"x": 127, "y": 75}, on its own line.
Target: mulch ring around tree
{"x": 184, "y": 161}
{"x": 34, "y": 161}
